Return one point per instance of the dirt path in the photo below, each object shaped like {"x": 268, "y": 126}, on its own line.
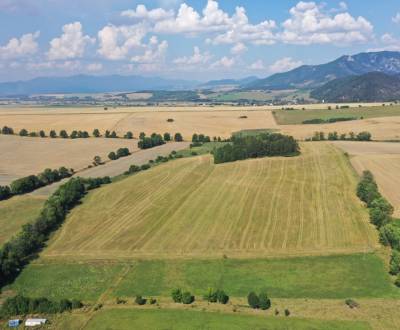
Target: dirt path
{"x": 119, "y": 166}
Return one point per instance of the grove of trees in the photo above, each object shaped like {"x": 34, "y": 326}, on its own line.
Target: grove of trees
{"x": 150, "y": 142}
{"x": 334, "y": 136}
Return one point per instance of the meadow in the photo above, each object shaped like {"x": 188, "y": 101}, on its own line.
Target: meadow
{"x": 303, "y": 205}
{"x": 16, "y": 212}
{"x": 291, "y": 117}
{"x": 383, "y": 160}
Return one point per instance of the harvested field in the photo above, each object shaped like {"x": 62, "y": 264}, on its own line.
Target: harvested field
{"x": 191, "y": 207}
{"x": 23, "y": 156}
{"x": 383, "y": 160}
{"x": 207, "y": 120}
{"x": 16, "y": 212}
{"x": 385, "y": 128}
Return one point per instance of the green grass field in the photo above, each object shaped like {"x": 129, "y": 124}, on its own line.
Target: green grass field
{"x": 339, "y": 277}
{"x": 191, "y": 207}
{"x": 289, "y": 117}
{"x": 189, "y": 320}
{"x": 15, "y": 212}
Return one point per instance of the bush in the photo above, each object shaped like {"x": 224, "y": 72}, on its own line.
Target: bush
{"x": 96, "y": 133}
{"x": 178, "y": 137}
{"x": 128, "y": 135}
{"x": 176, "y": 295}
{"x": 139, "y": 300}
{"x": 397, "y": 282}
{"x": 390, "y": 235}
{"x": 123, "y": 152}
{"x": 287, "y": 312}
{"x": 5, "y": 192}
{"x": 253, "y": 300}
{"x": 211, "y": 296}
{"x": 112, "y": 156}
{"x": 145, "y": 167}
{"x": 64, "y": 134}
{"x": 222, "y": 297}
{"x": 187, "y": 298}
{"x": 53, "y": 134}
{"x": 152, "y": 301}
{"x": 264, "y": 301}
{"x": 23, "y": 132}
{"x": 42, "y": 134}
{"x": 395, "y": 263}
{"x": 167, "y": 137}
{"x": 351, "y": 303}
{"x": 7, "y": 130}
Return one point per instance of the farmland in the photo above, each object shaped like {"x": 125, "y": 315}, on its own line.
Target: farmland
{"x": 16, "y": 212}
{"x": 295, "y": 218}
{"x": 383, "y": 160}
{"x": 22, "y": 156}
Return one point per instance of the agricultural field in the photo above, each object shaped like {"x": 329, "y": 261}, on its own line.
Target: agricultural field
{"x": 22, "y": 156}
{"x": 383, "y": 160}
{"x": 291, "y": 117}
{"x": 261, "y": 207}
{"x": 15, "y": 212}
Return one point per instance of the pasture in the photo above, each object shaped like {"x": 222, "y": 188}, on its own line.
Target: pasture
{"x": 22, "y": 156}
{"x": 291, "y": 117}
{"x": 15, "y": 212}
{"x": 303, "y": 205}
{"x": 320, "y": 277}
{"x": 383, "y": 160}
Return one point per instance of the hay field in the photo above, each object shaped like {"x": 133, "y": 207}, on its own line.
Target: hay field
{"x": 23, "y": 156}
{"x": 16, "y": 212}
{"x": 383, "y": 160}
{"x": 221, "y": 121}
{"x": 385, "y": 128}
{"x": 190, "y": 207}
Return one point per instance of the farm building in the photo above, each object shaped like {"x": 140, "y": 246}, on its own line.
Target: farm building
{"x": 34, "y": 322}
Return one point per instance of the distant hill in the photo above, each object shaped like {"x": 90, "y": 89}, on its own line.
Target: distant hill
{"x": 370, "y": 87}
{"x": 228, "y": 82}
{"x": 92, "y": 84}
{"x": 312, "y": 76}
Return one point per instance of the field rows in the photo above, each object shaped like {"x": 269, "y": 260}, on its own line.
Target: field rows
{"x": 190, "y": 207}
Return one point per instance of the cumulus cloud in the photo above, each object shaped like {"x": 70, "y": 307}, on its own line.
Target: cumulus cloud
{"x": 141, "y": 12}
{"x": 154, "y": 52}
{"x": 93, "y": 67}
{"x": 257, "y": 65}
{"x": 20, "y": 47}
{"x": 396, "y": 18}
{"x": 224, "y": 63}
{"x": 197, "y": 58}
{"x": 284, "y": 64}
{"x": 309, "y": 24}
{"x": 239, "y": 48}
{"x": 388, "y": 43}
{"x": 71, "y": 44}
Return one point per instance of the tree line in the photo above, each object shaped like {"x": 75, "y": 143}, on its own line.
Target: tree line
{"x": 380, "y": 214}
{"x": 21, "y": 305}
{"x": 75, "y": 134}
{"x": 121, "y": 152}
{"x": 262, "y": 145}
{"x": 329, "y": 120}
{"x": 32, "y": 182}
{"x": 334, "y": 136}
{"x": 18, "y": 251}
{"x": 154, "y": 140}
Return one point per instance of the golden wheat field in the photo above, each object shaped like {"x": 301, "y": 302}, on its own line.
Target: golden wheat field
{"x": 218, "y": 121}
{"x": 191, "y": 207}
{"x": 383, "y": 160}
{"x": 23, "y": 156}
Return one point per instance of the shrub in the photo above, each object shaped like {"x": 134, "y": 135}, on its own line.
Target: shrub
{"x": 395, "y": 262}
{"x": 176, "y": 295}
{"x": 170, "y": 120}
{"x": 264, "y": 301}
{"x": 123, "y": 152}
{"x": 167, "y": 137}
{"x": 74, "y": 134}
{"x": 113, "y": 135}
{"x": 5, "y": 192}
{"x": 287, "y": 312}
{"x": 152, "y": 301}
{"x": 42, "y": 134}
{"x": 7, "y": 130}
{"x": 112, "y": 156}
{"x": 96, "y": 133}
{"x": 351, "y": 303}
{"x": 187, "y": 298}
{"x": 222, "y": 297}
{"x": 178, "y": 137}
{"x": 128, "y": 135}
{"x": 253, "y": 300}
{"x": 139, "y": 300}
{"x": 397, "y": 282}
{"x": 53, "y": 134}
{"x": 390, "y": 235}
{"x": 145, "y": 167}
{"x": 23, "y": 132}
{"x": 64, "y": 134}
{"x": 211, "y": 295}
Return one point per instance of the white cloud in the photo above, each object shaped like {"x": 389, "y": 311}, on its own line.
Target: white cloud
{"x": 93, "y": 67}
{"x": 239, "y": 48}
{"x": 224, "y": 63}
{"x": 52, "y": 65}
{"x": 257, "y": 65}
{"x": 197, "y": 58}
{"x": 309, "y": 24}
{"x": 117, "y": 42}
{"x": 284, "y": 64}
{"x": 389, "y": 43}
{"x": 154, "y": 52}
{"x": 24, "y": 46}
{"x": 141, "y": 12}
{"x": 71, "y": 44}
{"x": 343, "y": 5}
{"x": 396, "y": 18}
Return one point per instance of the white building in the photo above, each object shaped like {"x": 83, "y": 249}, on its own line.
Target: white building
{"x": 34, "y": 322}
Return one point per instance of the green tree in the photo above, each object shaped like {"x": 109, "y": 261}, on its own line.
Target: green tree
{"x": 97, "y": 160}
{"x": 176, "y": 295}
{"x": 96, "y": 133}
{"x": 23, "y": 132}
{"x": 139, "y": 300}
{"x": 167, "y": 137}
{"x": 113, "y": 135}
{"x": 107, "y": 134}
{"x": 195, "y": 138}
{"x": 128, "y": 135}
{"x": 222, "y": 297}
{"x": 42, "y": 134}
{"x": 74, "y": 134}
{"x": 253, "y": 300}
{"x": 395, "y": 262}
{"x": 112, "y": 155}
{"x": 142, "y": 135}
{"x": 178, "y": 137}
{"x": 187, "y": 298}
{"x": 53, "y": 134}
{"x": 265, "y": 302}
{"x": 64, "y": 134}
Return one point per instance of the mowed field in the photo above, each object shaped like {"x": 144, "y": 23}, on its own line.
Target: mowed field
{"x": 219, "y": 121}
{"x": 191, "y": 207}
{"x": 383, "y": 160}
{"x": 23, "y": 156}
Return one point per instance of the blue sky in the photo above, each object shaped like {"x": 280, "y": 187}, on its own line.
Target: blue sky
{"x": 192, "y": 39}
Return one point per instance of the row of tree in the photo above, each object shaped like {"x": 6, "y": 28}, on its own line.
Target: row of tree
{"x": 334, "y": 136}
{"x": 380, "y": 214}
{"x": 32, "y": 182}
{"x": 18, "y": 251}
{"x": 121, "y": 152}
{"x": 328, "y": 121}
{"x": 254, "y": 146}
{"x": 75, "y": 134}
{"x": 20, "y": 305}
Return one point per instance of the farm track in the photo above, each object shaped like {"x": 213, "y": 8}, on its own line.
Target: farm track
{"x": 303, "y": 205}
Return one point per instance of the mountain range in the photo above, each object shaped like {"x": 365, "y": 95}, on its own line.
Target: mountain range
{"x": 304, "y": 77}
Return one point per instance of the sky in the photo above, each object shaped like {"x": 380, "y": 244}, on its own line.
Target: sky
{"x": 192, "y": 39}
